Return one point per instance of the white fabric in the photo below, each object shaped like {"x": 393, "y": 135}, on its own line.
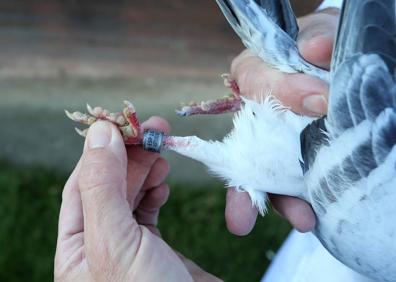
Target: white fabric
{"x": 330, "y": 3}
{"x": 303, "y": 259}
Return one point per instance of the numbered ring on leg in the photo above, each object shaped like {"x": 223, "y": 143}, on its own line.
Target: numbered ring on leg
{"x": 152, "y": 141}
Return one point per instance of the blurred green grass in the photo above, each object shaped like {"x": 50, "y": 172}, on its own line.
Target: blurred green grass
{"x": 191, "y": 222}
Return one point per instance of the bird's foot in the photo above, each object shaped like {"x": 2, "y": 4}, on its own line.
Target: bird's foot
{"x": 230, "y": 103}
{"x": 220, "y": 106}
{"x": 126, "y": 121}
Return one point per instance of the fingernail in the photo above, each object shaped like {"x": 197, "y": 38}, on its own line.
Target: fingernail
{"x": 99, "y": 135}
{"x": 315, "y": 104}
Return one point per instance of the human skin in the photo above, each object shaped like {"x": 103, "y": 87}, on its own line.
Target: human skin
{"x": 110, "y": 205}
{"x": 302, "y": 93}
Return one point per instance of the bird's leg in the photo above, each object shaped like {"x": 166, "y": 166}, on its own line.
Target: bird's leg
{"x": 230, "y": 103}
{"x": 127, "y": 121}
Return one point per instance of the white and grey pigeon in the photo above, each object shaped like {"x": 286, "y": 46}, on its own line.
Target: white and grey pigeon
{"x": 344, "y": 164}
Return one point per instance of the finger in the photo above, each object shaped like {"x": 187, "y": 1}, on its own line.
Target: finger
{"x": 102, "y": 183}
{"x": 247, "y": 53}
{"x": 71, "y": 223}
{"x": 71, "y": 216}
{"x": 316, "y": 37}
{"x": 141, "y": 161}
{"x": 298, "y": 212}
{"x": 156, "y": 176}
{"x": 240, "y": 214}
{"x": 302, "y": 93}
{"x": 157, "y": 123}
{"x": 148, "y": 209}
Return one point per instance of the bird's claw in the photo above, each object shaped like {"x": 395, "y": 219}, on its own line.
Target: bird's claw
{"x": 127, "y": 121}
{"x": 231, "y": 83}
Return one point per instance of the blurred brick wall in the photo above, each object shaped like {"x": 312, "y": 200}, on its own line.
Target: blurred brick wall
{"x": 167, "y": 36}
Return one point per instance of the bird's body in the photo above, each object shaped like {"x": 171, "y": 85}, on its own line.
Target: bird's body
{"x": 348, "y": 157}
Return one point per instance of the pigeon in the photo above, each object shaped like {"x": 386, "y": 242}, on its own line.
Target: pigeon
{"x": 343, "y": 164}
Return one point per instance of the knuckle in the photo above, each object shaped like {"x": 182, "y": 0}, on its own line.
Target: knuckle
{"x": 234, "y": 66}
{"x": 243, "y": 81}
{"x": 242, "y": 62}
{"x": 254, "y": 81}
{"x": 317, "y": 24}
{"x": 238, "y": 59}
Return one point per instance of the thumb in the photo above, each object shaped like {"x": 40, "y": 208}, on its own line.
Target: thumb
{"x": 317, "y": 35}
{"x": 102, "y": 184}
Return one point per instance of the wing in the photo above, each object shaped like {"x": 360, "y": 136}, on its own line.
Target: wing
{"x": 366, "y": 27}
{"x": 282, "y": 14}
{"x": 279, "y": 11}
{"x": 362, "y": 84}
{"x": 269, "y": 29}
{"x": 358, "y": 162}
{"x": 363, "y": 67}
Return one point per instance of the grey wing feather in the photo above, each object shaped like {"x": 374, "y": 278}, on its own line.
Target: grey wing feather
{"x": 282, "y": 14}
{"x": 366, "y": 26}
{"x": 247, "y": 14}
{"x": 269, "y": 29}
{"x": 361, "y": 129}
{"x": 279, "y": 11}
{"x": 363, "y": 86}
{"x": 364, "y": 63}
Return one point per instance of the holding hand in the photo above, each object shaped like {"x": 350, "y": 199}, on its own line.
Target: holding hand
{"x": 108, "y": 218}
{"x": 302, "y": 93}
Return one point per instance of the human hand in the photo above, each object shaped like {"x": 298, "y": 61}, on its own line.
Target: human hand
{"x": 107, "y": 222}
{"x": 302, "y": 93}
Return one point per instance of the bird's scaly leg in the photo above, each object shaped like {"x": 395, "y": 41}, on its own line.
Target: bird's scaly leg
{"x": 231, "y": 103}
